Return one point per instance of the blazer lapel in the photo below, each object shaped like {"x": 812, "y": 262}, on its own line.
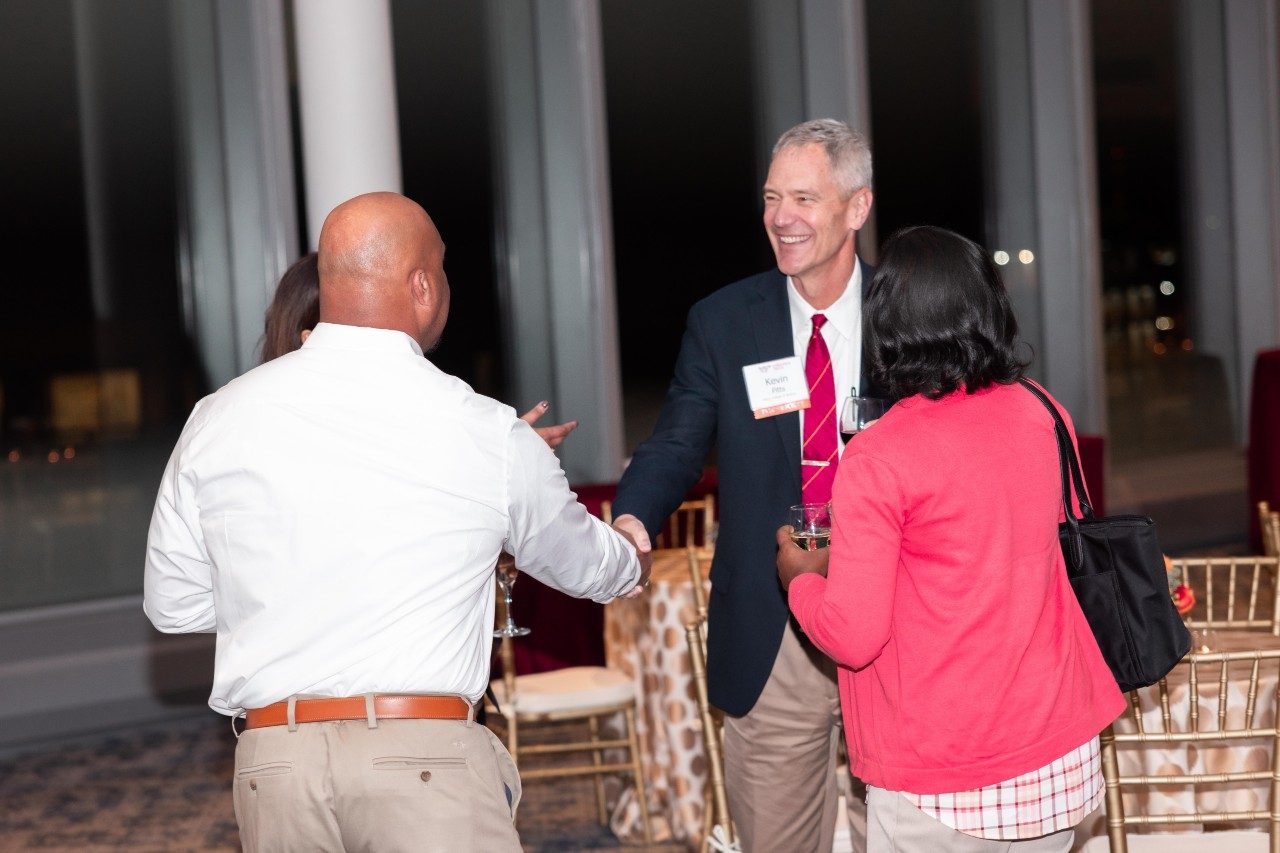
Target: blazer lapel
{"x": 771, "y": 325}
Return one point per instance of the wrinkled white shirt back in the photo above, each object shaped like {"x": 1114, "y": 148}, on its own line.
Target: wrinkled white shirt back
{"x": 335, "y": 515}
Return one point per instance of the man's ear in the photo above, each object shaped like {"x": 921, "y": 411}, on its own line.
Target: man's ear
{"x": 421, "y": 288}
{"x": 859, "y": 208}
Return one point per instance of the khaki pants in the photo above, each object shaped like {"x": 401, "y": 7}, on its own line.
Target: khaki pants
{"x": 780, "y": 758}
{"x": 406, "y": 785}
{"x": 895, "y": 825}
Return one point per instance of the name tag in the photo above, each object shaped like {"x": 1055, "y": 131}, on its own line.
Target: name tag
{"x": 776, "y": 387}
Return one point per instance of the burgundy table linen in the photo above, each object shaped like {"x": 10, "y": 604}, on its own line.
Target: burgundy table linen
{"x": 1264, "y": 440}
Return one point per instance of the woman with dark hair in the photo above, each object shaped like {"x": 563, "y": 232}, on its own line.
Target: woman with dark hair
{"x": 972, "y": 688}
{"x": 295, "y": 309}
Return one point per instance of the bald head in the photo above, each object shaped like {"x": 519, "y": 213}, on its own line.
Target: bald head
{"x": 382, "y": 265}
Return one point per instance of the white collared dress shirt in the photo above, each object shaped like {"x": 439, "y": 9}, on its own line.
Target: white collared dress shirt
{"x": 842, "y": 332}
{"x": 335, "y": 516}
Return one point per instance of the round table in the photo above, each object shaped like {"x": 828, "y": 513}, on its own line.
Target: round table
{"x": 645, "y": 638}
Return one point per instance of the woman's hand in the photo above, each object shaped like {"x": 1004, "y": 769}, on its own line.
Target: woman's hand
{"x": 552, "y": 435}
{"x": 794, "y": 561}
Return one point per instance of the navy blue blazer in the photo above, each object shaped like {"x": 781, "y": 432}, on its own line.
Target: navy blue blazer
{"x": 758, "y": 464}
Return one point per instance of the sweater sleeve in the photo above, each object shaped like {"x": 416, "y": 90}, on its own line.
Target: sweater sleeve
{"x": 849, "y": 613}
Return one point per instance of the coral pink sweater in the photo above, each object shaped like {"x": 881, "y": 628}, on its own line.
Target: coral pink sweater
{"x": 964, "y": 659}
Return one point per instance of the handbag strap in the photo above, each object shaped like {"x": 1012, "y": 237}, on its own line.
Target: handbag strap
{"x": 1068, "y": 461}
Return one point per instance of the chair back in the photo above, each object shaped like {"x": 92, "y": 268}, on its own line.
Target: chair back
{"x": 1188, "y": 717}
{"x": 712, "y": 735}
{"x": 1269, "y": 521}
{"x": 1232, "y": 592}
{"x": 587, "y": 693}
{"x": 693, "y": 523}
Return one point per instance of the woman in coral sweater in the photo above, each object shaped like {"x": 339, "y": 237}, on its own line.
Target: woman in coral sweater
{"x": 972, "y": 688}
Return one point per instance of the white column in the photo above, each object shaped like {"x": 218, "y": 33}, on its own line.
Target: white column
{"x": 555, "y": 248}
{"x": 347, "y": 95}
{"x": 1206, "y": 183}
{"x": 1253, "y": 104}
{"x": 811, "y": 62}
{"x": 1069, "y": 263}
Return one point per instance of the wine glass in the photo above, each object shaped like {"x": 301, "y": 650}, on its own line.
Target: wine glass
{"x": 810, "y": 525}
{"x": 858, "y": 413}
{"x": 507, "y": 574}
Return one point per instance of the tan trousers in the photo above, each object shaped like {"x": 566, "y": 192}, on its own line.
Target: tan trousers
{"x": 407, "y": 785}
{"x": 895, "y": 825}
{"x": 780, "y": 758}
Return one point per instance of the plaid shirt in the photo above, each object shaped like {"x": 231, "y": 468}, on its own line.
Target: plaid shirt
{"x": 1057, "y": 796}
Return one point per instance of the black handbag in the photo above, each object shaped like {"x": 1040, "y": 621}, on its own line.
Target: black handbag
{"x": 1117, "y": 571}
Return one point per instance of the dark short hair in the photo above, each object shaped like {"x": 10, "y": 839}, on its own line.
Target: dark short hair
{"x": 938, "y": 318}
{"x": 295, "y": 307}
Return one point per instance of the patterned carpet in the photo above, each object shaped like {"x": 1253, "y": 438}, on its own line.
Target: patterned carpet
{"x": 167, "y": 788}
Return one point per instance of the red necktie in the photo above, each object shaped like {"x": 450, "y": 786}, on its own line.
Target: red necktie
{"x": 819, "y": 450}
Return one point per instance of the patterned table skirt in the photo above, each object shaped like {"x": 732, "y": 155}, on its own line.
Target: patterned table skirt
{"x": 645, "y": 638}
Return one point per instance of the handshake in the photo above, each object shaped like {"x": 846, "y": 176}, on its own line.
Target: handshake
{"x": 633, "y": 531}
{"x": 628, "y": 525}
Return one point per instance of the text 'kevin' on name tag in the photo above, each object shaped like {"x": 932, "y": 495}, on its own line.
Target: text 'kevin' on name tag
{"x": 775, "y": 387}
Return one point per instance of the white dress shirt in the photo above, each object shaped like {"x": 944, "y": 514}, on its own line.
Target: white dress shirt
{"x": 335, "y": 515}
{"x": 842, "y": 332}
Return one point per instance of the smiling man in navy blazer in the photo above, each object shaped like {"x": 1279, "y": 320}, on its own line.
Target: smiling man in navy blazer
{"x": 779, "y": 695}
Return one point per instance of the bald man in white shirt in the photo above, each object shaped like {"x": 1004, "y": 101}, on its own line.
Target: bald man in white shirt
{"x": 335, "y": 516}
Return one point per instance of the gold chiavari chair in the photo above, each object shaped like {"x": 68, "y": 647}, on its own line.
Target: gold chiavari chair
{"x": 697, "y": 579}
{"x": 590, "y": 693}
{"x": 1232, "y": 592}
{"x": 692, "y": 524}
{"x": 1199, "y": 730}
{"x": 716, "y": 811}
{"x": 1269, "y": 520}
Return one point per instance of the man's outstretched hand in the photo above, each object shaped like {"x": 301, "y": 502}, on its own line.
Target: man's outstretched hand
{"x": 633, "y": 530}
{"x": 552, "y": 435}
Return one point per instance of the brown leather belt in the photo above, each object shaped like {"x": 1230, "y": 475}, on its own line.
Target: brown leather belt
{"x": 386, "y": 706}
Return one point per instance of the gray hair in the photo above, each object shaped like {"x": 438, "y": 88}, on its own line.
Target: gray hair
{"x": 847, "y": 150}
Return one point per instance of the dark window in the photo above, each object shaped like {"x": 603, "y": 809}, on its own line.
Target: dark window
{"x": 97, "y": 372}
